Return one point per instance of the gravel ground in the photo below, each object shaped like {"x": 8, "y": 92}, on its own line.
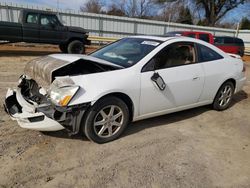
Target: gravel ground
{"x": 194, "y": 148}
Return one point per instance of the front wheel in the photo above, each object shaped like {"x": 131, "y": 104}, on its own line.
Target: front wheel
{"x": 224, "y": 96}
{"x": 76, "y": 47}
{"x": 106, "y": 120}
{"x": 63, "y": 48}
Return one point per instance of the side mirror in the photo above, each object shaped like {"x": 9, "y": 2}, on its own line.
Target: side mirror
{"x": 157, "y": 79}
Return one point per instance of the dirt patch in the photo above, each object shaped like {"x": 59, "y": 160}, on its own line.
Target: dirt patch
{"x": 193, "y": 148}
{"x": 24, "y": 49}
{"x": 246, "y": 58}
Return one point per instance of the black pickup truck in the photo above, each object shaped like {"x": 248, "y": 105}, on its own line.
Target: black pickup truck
{"x": 44, "y": 27}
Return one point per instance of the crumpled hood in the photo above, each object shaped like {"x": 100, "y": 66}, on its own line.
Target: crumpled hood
{"x": 77, "y": 29}
{"x": 41, "y": 69}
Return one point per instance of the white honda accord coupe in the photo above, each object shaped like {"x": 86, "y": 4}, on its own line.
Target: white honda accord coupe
{"x": 131, "y": 79}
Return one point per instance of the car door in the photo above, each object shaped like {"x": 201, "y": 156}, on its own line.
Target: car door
{"x": 31, "y": 27}
{"x": 171, "y": 79}
{"x": 51, "y": 30}
{"x": 213, "y": 65}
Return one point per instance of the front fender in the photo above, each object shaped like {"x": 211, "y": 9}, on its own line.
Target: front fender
{"x": 95, "y": 86}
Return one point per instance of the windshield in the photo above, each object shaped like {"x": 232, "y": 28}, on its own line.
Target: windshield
{"x": 126, "y": 52}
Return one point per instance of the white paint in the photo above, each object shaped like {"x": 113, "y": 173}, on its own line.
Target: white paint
{"x": 187, "y": 86}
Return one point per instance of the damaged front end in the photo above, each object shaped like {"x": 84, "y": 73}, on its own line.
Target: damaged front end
{"x": 42, "y": 98}
{"x": 33, "y": 108}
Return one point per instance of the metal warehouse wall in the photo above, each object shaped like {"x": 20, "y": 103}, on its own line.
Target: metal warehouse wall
{"x": 114, "y": 26}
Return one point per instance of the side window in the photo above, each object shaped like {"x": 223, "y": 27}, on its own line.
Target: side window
{"x": 204, "y": 37}
{"x": 239, "y": 42}
{"x": 176, "y": 54}
{"x": 48, "y": 20}
{"x": 191, "y": 35}
{"x": 219, "y": 40}
{"x": 229, "y": 40}
{"x": 32, "y": 18}
{"x": 207, "y": 54}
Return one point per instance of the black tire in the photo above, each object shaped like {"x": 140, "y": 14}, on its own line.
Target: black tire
{"x": 225, "y": 93}
{"x": 241, "y": 53}
{"x": 101, "y": 133}
{"x": 76, "y": 47}
{"x": 63, "y": 48}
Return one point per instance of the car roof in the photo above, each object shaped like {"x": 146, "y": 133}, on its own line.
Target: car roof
{"x": 39, "y": 11}
{"x": 227, "y": 37}
{"x": 150, "y": 37}
{"x": 165, "y": 38}
{"x": 192, "y": 32}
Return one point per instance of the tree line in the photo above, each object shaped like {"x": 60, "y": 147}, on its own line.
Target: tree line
{"x": 198, "y": 12}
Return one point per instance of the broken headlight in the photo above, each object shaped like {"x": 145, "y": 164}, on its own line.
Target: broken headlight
{"x": 61, "y": 96}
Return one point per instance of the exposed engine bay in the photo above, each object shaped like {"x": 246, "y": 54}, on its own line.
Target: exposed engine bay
{"x": 32, "y": 92}
{"x": 44, "y": 70}
{"x": 42, "y": 78}
{"x": 81, "y": 67}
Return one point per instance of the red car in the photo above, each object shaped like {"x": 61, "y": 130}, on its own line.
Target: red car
{"x": 205, "y": 36}
{"x": 230, "y": 44}
{"x": 227, "y": 44}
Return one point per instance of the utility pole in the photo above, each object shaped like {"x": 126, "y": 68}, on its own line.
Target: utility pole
{"x": 57, "y": 5}
{"x": 237, "y": 30}
{"x": 133, "y": 8}
{"x": 169, "y": 20}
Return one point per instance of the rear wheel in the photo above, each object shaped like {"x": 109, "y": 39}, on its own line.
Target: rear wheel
{"x": 106, "y": 120}
{"x": 63, "y": 48}
{"x": 76, "y": 47}
{"x": 224, "y": 96}
{"x": 241, "y": 53}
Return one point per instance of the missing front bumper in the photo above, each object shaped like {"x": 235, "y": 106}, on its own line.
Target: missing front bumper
{"x": 20, "y": 110}
{"x": 68, "y": 117}
{"x": 44, "y": 117}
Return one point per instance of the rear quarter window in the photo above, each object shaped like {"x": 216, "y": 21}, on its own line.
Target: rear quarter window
{"x": 207, "y": 54}
{"x": 239, "y": 42}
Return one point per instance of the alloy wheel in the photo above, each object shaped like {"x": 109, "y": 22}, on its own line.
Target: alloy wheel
{"x": 225, "y": 96}
{"x": 108, "y": 121}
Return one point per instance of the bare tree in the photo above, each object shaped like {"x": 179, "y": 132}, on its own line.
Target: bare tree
{"x": 138, "y": 8}
{"x": 143, "y": 8}
{"x": 131, "y": 7}
{"x": 213, "y": 10}
{"x": 217, "y": 9}
{"x": 116, "y": 10}
{"x": 185, "y": 16}
{"x": 93, "y": 6}
{"x": 207, "y": 12}
{"x": 171, "y": 11}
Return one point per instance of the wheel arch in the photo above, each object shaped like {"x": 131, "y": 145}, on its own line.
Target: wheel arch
{"x": 70, "y": 39}
{"x": 227, "y": 80}
{"x": 230, "y": 80}
{"x": 125, "y": 98}
{"x": 75, "y": 38}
